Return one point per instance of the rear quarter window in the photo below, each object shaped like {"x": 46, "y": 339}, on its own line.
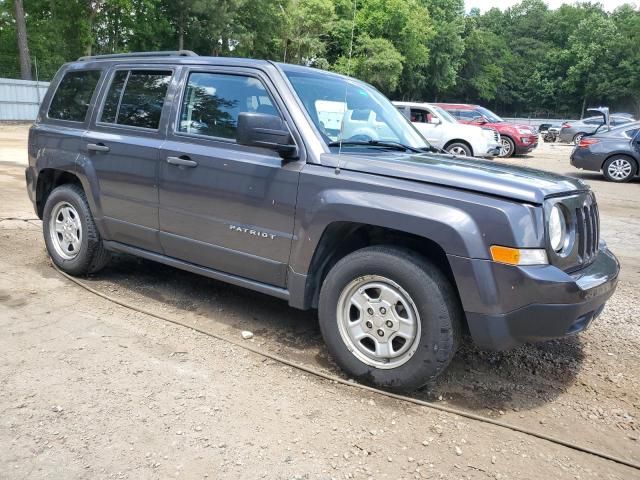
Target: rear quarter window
{"x": 73, "y": 95}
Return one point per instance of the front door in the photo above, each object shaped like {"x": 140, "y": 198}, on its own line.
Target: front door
{"x": 122, "y": 147}
{"x": 222, "y": 205}
{"x": 422, "y": 120}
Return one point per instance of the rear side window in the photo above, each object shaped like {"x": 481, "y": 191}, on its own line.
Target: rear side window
{"x": 632, "y": 133}
{"x": 212, "y": 103}
{"x": 136, "y": 97}
{"x": 72, "y": 98}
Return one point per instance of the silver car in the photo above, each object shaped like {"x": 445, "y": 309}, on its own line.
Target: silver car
{"x": 573, "y": 131}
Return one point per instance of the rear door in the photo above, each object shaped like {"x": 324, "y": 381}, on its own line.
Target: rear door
{"x": 121, "y": 150}
{"x": 222, "y": 205}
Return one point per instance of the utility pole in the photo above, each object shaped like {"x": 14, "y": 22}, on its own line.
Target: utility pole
{"x": 23, "y": 44}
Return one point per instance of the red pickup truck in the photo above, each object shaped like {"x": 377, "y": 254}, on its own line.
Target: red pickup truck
{"x": 516, "y": 139}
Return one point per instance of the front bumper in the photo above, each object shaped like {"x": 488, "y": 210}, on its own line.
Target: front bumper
{"x": 526, "y": 144}
{"x": 508, "y": 306}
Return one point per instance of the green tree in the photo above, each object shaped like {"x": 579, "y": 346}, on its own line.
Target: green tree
{"x": 375, "y": 61}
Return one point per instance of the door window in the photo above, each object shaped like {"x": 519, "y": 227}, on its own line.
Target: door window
{"x": 135, "y": 98}
{"x": 420, "y": 116}
{"x": 72, "y": 98}
{"x": 466, "y": 115}
{"x": 213, "y": 101}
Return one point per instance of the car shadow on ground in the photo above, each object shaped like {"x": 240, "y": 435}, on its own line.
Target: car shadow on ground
{"x": 485, "y": 382}
{"x": 597, "y": 177}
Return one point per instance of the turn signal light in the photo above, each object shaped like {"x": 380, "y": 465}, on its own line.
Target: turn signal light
{"x": 519, "y": 256}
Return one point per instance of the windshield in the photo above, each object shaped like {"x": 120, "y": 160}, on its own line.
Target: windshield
{"x": 489, "y": 115}
{"x": 443, "y": 114}
{"x": 346, "y": 110}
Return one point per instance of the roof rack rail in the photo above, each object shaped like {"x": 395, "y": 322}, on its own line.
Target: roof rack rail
{"x": 173, "y": 53}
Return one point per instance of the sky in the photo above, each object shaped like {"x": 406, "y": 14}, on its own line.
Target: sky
{"x": 487, "y": 4}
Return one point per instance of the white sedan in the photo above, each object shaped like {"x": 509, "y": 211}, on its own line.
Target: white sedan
{"x": 443, "y": 131}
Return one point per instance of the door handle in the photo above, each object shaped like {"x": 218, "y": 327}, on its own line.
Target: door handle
{"x": 182, "y": 162}
{"x": 97, "y": 147}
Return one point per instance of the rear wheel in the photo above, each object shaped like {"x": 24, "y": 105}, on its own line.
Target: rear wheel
{"x": 619, "y": 169}
{"x": 70, "y": 234}
{"x": 389, "y": 317}
{"x": 507, "y": 147}
{"x": 460, "y": 149}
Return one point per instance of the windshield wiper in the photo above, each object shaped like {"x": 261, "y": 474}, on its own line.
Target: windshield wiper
{"x": 377, "y": 143}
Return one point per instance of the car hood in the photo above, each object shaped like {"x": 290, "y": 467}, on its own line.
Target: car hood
{"x": 512, "y": 125}
{"x": 466, "y": 173}
{"x": 466, "y": 129}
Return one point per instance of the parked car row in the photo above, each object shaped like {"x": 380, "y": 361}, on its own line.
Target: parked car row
{"x": 470, "y": 130}
{"x": 444, "y": 132}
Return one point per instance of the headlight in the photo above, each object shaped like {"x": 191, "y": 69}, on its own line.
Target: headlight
{"x": 525, "y": 131}
{"x": 557, "y": 228}
{"x": 488, "y": 132}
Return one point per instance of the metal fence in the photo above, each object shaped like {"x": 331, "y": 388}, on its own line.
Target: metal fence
{"x": 20, "y": 99}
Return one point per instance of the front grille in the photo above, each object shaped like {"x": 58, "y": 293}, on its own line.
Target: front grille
{"x": 496, "y": 136}
{"x": 587, "y": 231}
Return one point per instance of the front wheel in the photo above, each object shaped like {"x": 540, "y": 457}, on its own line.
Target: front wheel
{"x": 389, "y": 318}
{"x": 507, "y": 147}
{"x": 619, "y": 169}
{"x": 459, "y": 149}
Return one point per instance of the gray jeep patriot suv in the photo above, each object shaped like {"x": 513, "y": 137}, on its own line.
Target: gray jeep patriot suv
{"x": 312, "y": 187}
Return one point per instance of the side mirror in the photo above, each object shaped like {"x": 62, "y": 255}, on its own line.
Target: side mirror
{"x": 480, "y": 119}
{"x": 435, "y": 121}
{"x": 266, "y": 131}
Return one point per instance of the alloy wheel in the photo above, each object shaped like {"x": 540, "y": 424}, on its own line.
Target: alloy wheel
{"x": 620, "y": 169}
{"x": 378, "y": 322}
{"x": 459, "y": 151}
{"x": 505, "y": 147}
{"x": 65, "y": 230}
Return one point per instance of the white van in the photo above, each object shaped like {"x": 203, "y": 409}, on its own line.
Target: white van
{"x": 443, "y": 131}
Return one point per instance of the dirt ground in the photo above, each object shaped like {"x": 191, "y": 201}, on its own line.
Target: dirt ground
{"x": 89, "y": 389}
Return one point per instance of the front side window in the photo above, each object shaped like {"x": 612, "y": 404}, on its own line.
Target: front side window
{"x": 620, "y": 120}
{"x": 420, "y": 116}
{"x": 464, "y": 114}
{"x": 489, "y": 115}
{"x": 213, "y": 101}
{"x": 73, "y": 96}
{"x": 135, "y": 98}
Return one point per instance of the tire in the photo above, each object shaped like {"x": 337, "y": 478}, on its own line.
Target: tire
{"x": 77, "y": 248}
{"x": 432, "y": 303}
{"x": 619, "y": 169}
{"x": 508, "y": 147}
{"x": 460, "y": 149}
{"x": 577, "y": 137}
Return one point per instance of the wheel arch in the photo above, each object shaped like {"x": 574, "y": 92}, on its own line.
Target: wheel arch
{"x": 342, "y": 238}
{"x": 48, "y": 180}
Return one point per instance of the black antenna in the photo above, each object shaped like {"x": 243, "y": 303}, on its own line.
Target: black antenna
{"x": 353, "y": 28}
